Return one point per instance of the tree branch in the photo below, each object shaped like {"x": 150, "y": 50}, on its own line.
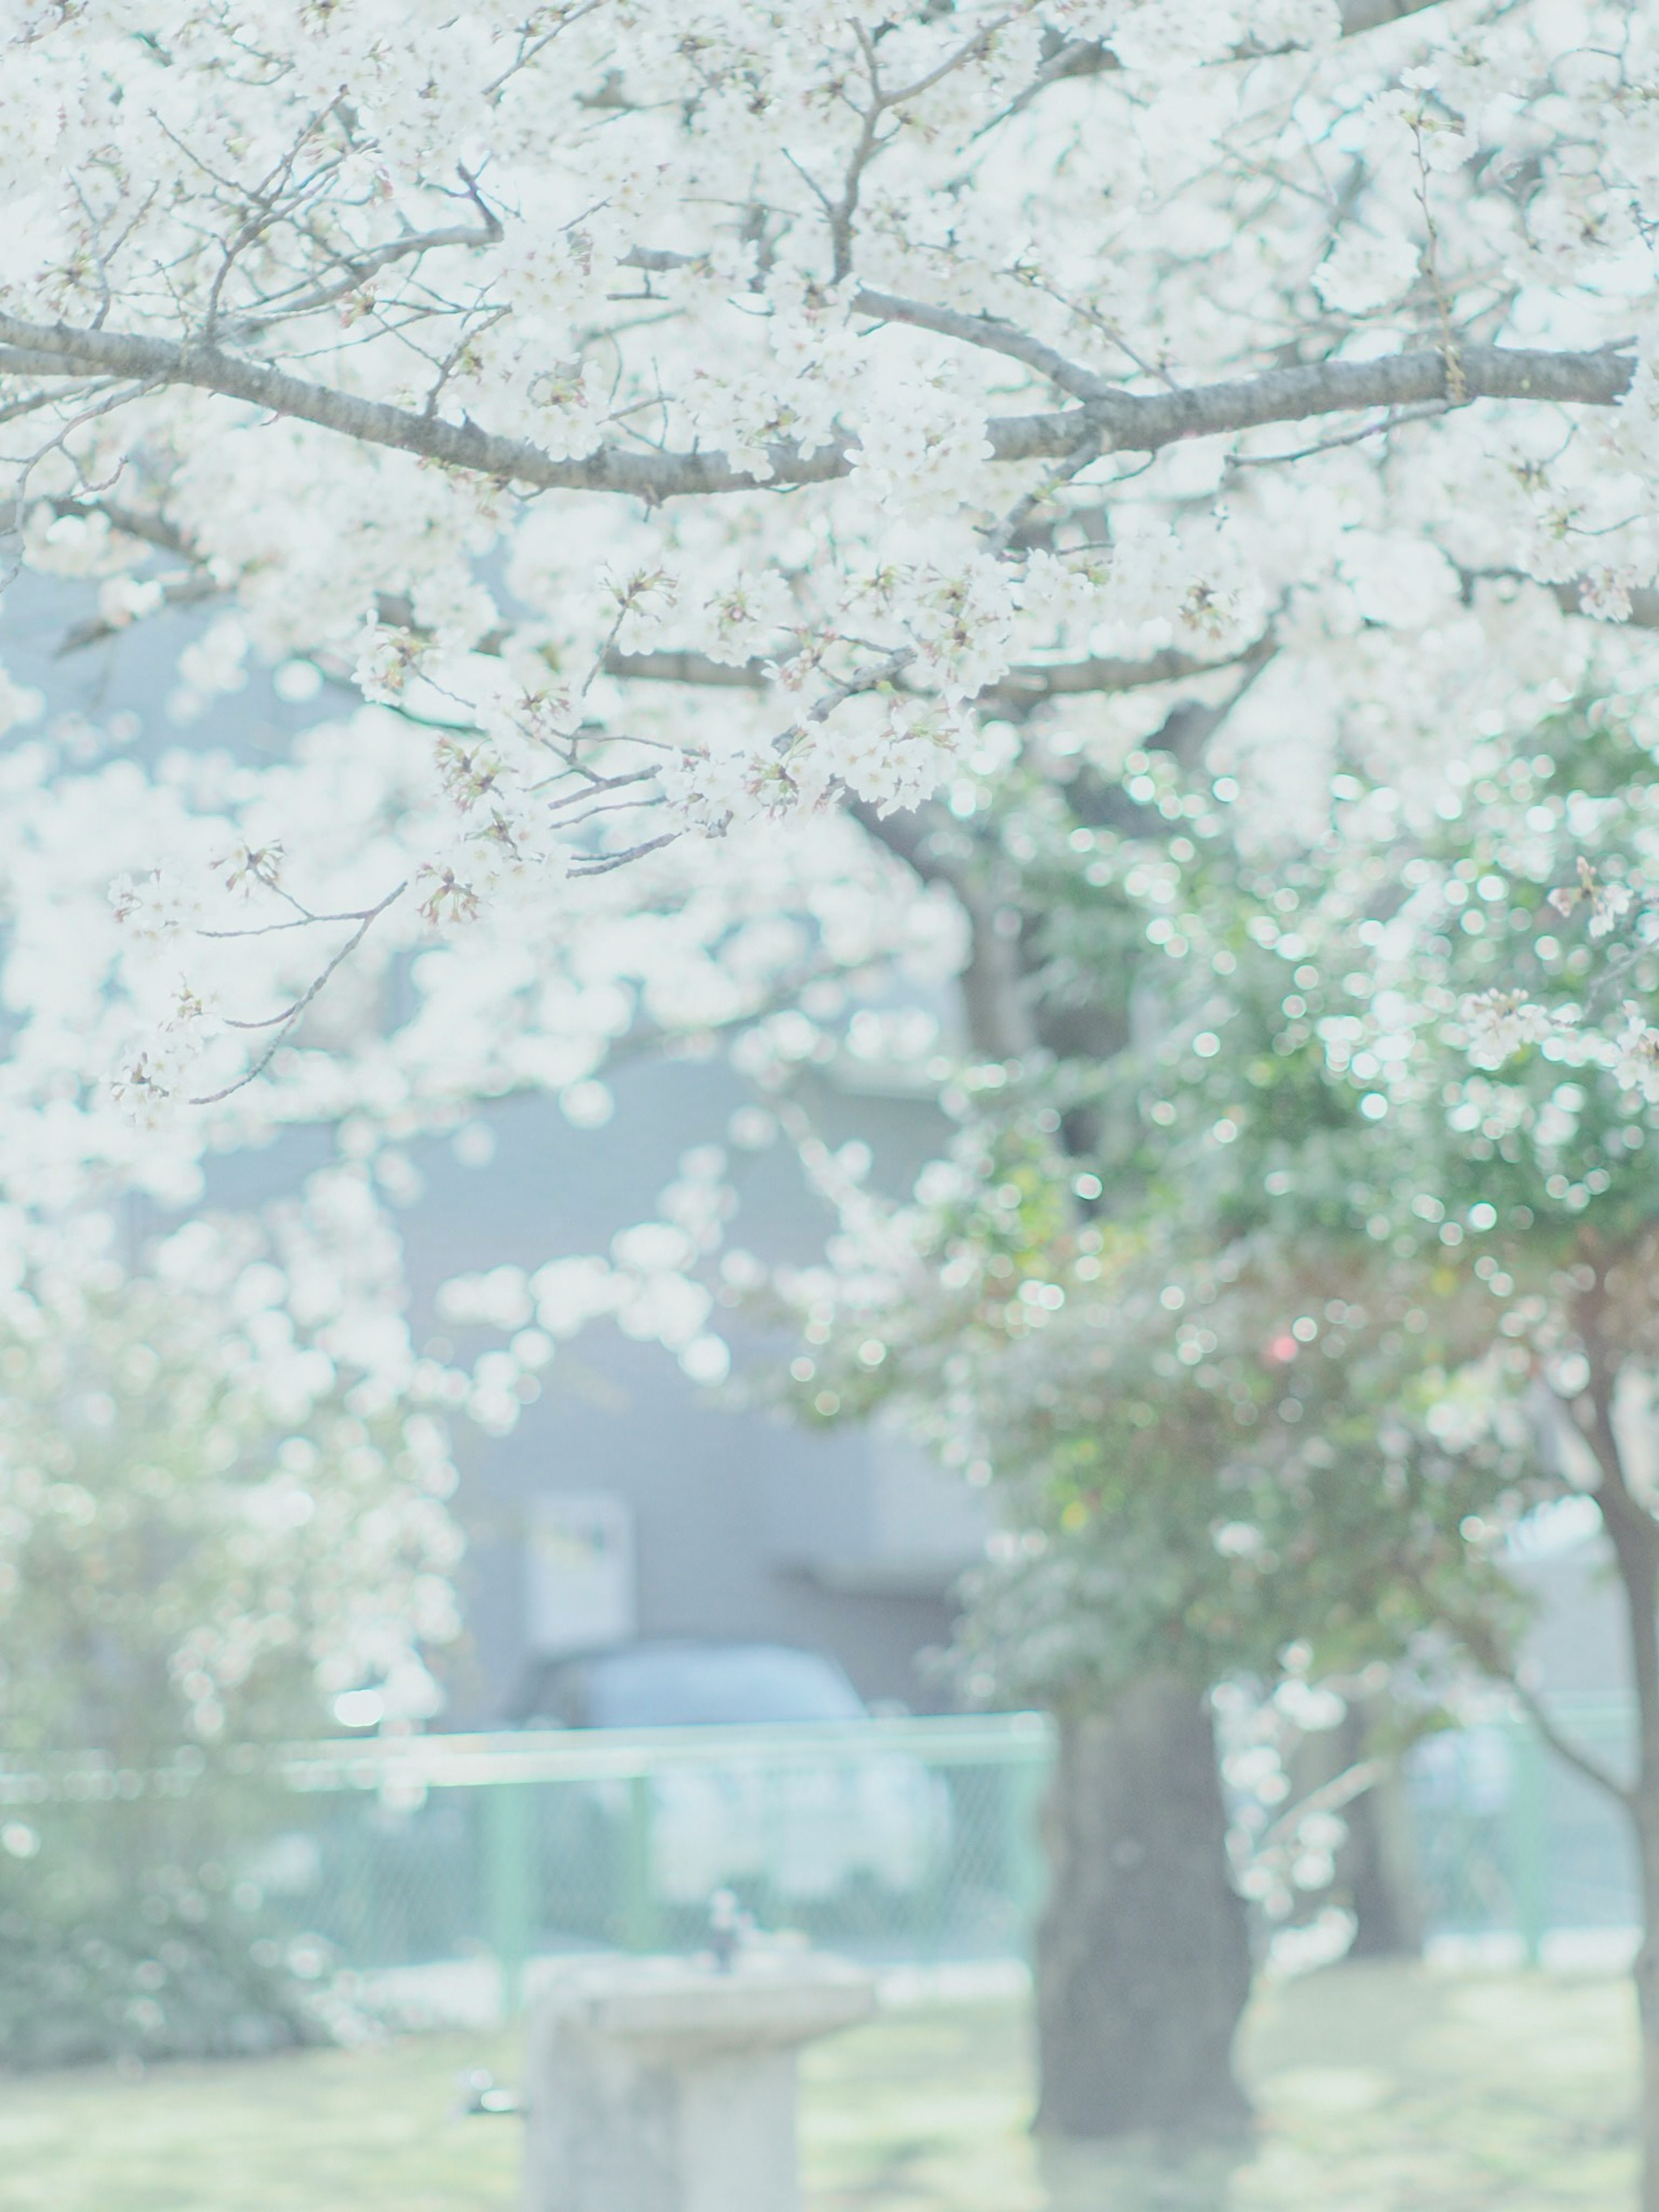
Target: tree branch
{"x": 1124, "y": 421}
{"x": 360, "y": 267}
{"x": 610, "y": 861}
{"x": 990, "y": 333}
{"x": 1094, "y": 57}
{"x": 696, "y": 668}
{"x": 1583, "y": 1762}
{"x": 938, "y": 850}
{"x": 1643, "y": 602}
{"x": 176, "y": 592}
{"x": 1359, "y": 16}
{"x": 366, "y": 922}
{"x": 1479, "y": 1639}
{"x": 130, "y": 522}
{"x": 1026, "y": 685}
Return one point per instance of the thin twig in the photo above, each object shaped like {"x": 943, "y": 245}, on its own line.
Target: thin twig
{"x": 620, "y": 859}
{"x": 371, "y": 914}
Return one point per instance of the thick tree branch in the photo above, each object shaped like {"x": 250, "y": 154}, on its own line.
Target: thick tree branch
{"x": 1026, "y": 685}
{"x": 991, "y": 333}
{"x": 935, "y": 849}
{"x": 1359, "y": 16}
{"x": 695, "y": 668}
{"x": 1574, "y": 597}
{"x": 191, "y": 591}
{"x": 938, "y": 850}
{"x": 1124, "y": 421}
{"x": 131, "y": 522}
{"x": 1094, "y": 57}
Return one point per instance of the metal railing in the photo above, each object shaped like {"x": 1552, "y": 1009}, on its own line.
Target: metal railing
{"x": 1510, "y": 1841}
{"x": 909, "y": 1840}
{"x": 889, "y": 1839}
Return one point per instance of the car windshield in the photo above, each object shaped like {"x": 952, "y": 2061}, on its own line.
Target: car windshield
{"x": 682, "y": 1686}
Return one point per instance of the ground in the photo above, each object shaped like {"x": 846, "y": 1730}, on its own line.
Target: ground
{"x": 1381, "y": 2089}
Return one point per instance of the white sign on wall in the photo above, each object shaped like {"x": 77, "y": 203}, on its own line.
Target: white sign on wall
{"x": 580, "y": 1560}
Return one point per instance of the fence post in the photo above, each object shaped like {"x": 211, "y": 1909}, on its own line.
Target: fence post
{"x": 361, "y": 1886}
{"x": 1529, "y": 1840}
{"x": 639, "y": 1929}
{"x": 1022, "y": 1842}
{"x": 508, "y": 1885}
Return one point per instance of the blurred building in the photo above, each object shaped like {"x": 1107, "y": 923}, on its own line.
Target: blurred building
{"x": 629, "y": 1502}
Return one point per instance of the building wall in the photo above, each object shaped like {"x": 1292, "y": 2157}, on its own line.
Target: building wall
{"x": 745, "y": 1525}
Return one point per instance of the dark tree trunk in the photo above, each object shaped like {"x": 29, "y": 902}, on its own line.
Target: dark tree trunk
{"x": 1375, "y": 1865}
{"x": 1636, "y": 1546}
{"x": 1646, "y": 1812}
{"x": 1142, "y": 1957}
{"x": 1387, "y": 1919}
{"x": 1634, "y": 1536}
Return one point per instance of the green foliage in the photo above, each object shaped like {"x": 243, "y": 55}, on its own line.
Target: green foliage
{"x": 209, "y": 1525}
{"x": 1241, "y": 1283}
{"x": 160, "y": 1964}
{"x": 1202, "y": 1458}
{"x": 205, "y": 1525}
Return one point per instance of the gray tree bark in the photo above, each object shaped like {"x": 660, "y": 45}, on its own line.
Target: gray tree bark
{"x": 1130, "y": 422}
{"x": 1376, "y": 1865}
{"x": 1143, "y": 1958}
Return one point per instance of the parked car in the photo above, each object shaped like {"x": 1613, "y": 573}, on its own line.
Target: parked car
{"x": 688, "y": 1682}
{"x": 767, "y": 1818}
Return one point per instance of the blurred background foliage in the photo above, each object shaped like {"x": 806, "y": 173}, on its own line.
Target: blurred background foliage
{"x": 209, "y": 1526}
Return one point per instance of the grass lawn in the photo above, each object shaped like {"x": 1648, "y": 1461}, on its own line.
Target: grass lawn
{"x": 1381, "y": 2089}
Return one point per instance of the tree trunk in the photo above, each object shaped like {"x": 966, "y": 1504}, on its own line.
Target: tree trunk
{"x": 1635, "y": 1541}
{"x": 1647, "y": 1992}
{"x": 1387, "y": 1919}
{"x": 1142, "y": 1957}
{"x": 1376, "y": 1864}
{"x": 1636, "y": 1546}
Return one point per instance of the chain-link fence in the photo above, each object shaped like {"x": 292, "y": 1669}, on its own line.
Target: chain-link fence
{"x": 1511, "y": 1843}
{"x": 911, "y": 1840}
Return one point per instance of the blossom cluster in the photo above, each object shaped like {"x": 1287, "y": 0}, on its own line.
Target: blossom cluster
{"x": 679, "y": 418}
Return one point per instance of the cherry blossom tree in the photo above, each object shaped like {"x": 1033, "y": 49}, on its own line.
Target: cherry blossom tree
{"x": 676, "y": 419}
{"x": 728, "y": 448}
